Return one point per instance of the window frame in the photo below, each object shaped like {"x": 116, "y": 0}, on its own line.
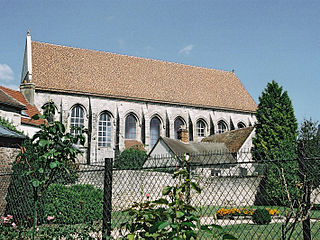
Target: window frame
{"x": 222, "y": 123}
{"x": 76, "y": 121}
{"x": 104, "y": 130}
{"x": 153, "y": 140}
{"x": 239, "y": 125}
{"x": 201, "y": 130}
{"x": 177, "y": 129}
{"x": 131, "y": 134}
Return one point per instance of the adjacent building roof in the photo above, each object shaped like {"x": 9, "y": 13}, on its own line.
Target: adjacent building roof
{"x": 232, "y": 139}
{"x": 74, "y": 70}
{"x": 199, "y": 152}
{"x": 132, "y": 143}
{"x": 10, "y": 138}
{"x": 7, "y": 100}
{"x": 30, "y": 110}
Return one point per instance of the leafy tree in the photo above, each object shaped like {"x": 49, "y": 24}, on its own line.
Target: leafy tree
{"x": 45, "y": 156}
{"x": 131, "y": 158}
{"x": 276, "y": 139}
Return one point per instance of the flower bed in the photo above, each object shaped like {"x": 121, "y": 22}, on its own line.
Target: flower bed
{"x": 241, "y": 212}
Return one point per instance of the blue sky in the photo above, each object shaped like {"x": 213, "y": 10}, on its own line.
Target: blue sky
{"x": 261, "y": 40}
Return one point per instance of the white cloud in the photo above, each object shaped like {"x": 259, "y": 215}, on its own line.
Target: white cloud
{"x": 6, "y": 73}
{"x": 186, "y": 50}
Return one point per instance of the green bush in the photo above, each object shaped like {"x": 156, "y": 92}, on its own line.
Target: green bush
{"x": 73, "y": 204}
{"x": 20, "y": 202}
{"x": 261, "y": 216}
{"x": 131, "y": 158}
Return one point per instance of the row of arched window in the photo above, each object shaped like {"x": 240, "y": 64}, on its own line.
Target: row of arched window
{"x": 104, "y": 127}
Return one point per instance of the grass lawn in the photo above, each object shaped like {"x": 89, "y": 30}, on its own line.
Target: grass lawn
{"x": 271, "y": 231}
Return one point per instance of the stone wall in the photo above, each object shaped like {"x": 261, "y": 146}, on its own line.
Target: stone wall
{"x": 7, "y": 156}
{"x": 142, "y": 110}
{"x": 129, "y": 186}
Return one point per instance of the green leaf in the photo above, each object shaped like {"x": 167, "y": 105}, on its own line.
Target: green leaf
{"x": 163, "y": 225}
{"x": 161, "y": 201}
{"x": 35, "y": 183}
{"x": 53, "y": 165}
{"x": 43, "y": 142}
{"x": 166, "y": 190}
{"x": 195, "y": 187}
{"x": 228, "y": 237}
{"x": 130, "y": 236}
{"x": 179, "y": 214}
{"x": 35, "y": 117}
{"x": 40, "y": 170}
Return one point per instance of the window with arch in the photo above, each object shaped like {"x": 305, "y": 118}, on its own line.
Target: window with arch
{"x": 241, "y": 125}
{"x": 104, "y": 130}
{"x": 77, "y": 120}
{"x": 46, "y": 110}
{"x": 131, "y": 127}
{"x": 222, "y": 127}
{"x": 177, "y": 124}
{"x": 155, "y": 124}
{"x": 201, "y": 128}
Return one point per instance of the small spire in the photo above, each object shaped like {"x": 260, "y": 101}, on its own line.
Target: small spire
{"x": 232, "y": 71}
{"x": 28, "y": 32}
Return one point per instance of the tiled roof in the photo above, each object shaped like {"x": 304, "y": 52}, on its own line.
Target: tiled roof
{"x": 131, "y": 143}
{"x": 199, "y": 151}
{"x": 30, "y": 110}
{"x": 232, "y": 139}
{"x": 67, "y": 69}
{"x": 7, "y": 100}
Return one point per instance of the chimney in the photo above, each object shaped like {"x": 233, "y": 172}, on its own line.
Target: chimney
{"x": 183, "y": 135}
{"x": 27, "y": 90}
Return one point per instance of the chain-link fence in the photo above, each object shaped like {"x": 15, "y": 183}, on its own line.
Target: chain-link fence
{"x": 238, "y": 193}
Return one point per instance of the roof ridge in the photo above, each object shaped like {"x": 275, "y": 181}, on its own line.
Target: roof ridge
{"x": 130, "y": 56}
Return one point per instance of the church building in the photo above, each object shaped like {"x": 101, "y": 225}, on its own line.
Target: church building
{"x": 125, "y": 101}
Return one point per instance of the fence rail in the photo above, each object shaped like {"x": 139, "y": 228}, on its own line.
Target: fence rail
{"x": 90, "y": 203}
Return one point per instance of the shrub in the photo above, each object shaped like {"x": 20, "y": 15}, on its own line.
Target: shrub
{"x": 20, "y": 202}
{"x": 261, "y": 216}
{"x": 73, "y": 204}
{"x": 131, "y": 158}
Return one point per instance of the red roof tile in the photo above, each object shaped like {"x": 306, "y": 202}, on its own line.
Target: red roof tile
{"x": 67, "y": 69}
{"x": 6, "y": 99}
{"x": 30, "y": 110}
{"x": 131, "y": 143}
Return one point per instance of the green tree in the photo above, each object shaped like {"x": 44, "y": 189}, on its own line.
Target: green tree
{"x": 276, "y": 139}
{"x": 47, "y": 155}
{"x": 131, "y": 158}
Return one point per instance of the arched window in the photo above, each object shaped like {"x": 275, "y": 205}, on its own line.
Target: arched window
{"x": 201, "y": 128}
{"x": 241, "y": 125}
{"x": 77, "y": 120}
{"x": 131, "y": 127}
{"x": 49, "y": 109}
{"x": 154, "y": 130}
{"x": 177, "y": 124}
{"x": 104, "y": 131}
{"x": 222, "y": 127}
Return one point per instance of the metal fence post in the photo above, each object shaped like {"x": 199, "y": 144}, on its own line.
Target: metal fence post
{"x": 188, "y": 168}
{"x": 107, "y": 198}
